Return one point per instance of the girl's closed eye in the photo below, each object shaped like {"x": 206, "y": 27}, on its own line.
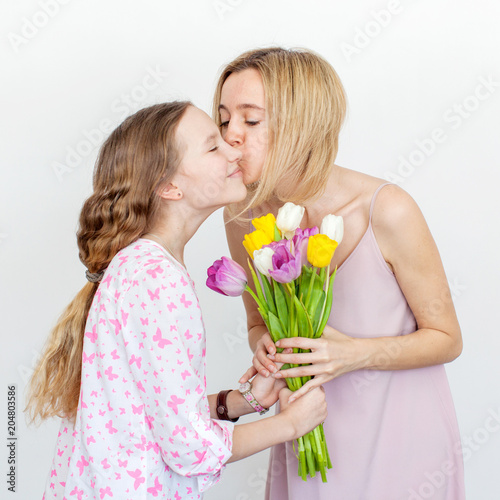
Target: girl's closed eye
{"x": 212, "y": 150}
{"x": 252, "y": 123}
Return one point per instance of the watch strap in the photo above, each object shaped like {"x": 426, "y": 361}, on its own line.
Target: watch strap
{"x": 246, "y": 391}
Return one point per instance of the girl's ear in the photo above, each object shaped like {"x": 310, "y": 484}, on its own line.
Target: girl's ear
{"x": 170, "y": 192}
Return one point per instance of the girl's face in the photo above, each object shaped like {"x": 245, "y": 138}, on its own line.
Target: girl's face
{"x": 208, "y": 176}
{"x": 244, "y": 123}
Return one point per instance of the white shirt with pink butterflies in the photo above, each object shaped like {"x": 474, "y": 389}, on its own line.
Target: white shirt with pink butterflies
{"x": 143, "y": 426}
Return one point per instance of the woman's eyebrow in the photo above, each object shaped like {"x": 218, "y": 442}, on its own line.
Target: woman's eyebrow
{"x": 243, "y": 106}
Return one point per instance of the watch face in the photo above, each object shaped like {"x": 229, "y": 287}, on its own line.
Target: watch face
{"x": 220, "y": 410}
{"x": 245, "y": 387}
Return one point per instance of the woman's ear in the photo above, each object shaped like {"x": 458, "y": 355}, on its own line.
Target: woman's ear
{"x": 170, "y": 192}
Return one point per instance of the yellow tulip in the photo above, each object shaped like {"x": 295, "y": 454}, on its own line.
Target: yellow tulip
{"x": 266, "y": 223}
{"x": 320, "y": 250}
{"x": 256, "y": 240}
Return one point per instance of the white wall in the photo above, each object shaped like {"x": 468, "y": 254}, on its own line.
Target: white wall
{"x": 82, "y": 66}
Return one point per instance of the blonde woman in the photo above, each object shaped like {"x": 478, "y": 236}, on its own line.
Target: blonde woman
{"x": 392, "y": 432}
{"x": 125, "y": 365}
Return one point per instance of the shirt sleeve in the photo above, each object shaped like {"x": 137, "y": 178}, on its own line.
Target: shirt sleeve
{"x": 165, "y": 346}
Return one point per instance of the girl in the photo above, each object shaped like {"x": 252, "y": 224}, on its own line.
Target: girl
{"x": 125, "y": 365}
{"x": 392, "y": 423}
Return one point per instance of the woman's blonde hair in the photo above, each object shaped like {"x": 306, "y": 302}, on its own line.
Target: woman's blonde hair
{"x": 305, "y": 106}
{"x": 139, "y": 157}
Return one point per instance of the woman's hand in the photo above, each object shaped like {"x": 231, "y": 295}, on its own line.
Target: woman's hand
{"x": 332, "y": 355}
{"x": 306, "y": 413}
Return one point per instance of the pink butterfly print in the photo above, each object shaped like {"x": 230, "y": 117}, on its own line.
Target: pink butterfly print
{"x": 144, "y": 321}
{"x": 90, "y": 439}
{"x": 110, "y": 374}
{"x": 122, "y": 411}
{"x": 53, "y": 473}
{"x": 161, "y": 341}
{"x": 199, "y": 389}
{"x": 189, "y": 490}
{"x": 107, "y": 280}
{"x": 185, "y": 374}
{"x": 190, "y": 356}
{"x": 105, "y": 491}
{"x": 188, "y": 335}
{"x": 117, "y": 295}
{"x": 77, "y": 492}
{"x": 175, "y": 401}
{"x": 124, "y": 317}
{"x": 127, "y": 393}
{"x": 143, "y": 304}
{"x": 157, "y": 389}
{"x": 137, "y": 410}
{"x": 154, "y": 446}
{"x": 102, "y": 321}
{"x": 123, "y": 259}
{"x": 122, "y": 463}
{"x": 155, "y": 295}
{"x": 110, "y": 427}
{"x": 109, "y": 407}
{"x": 92, "y": 335}
{"x": 156, "y": 489}
{"x": 155, "y": 272}
{"x": 114, "y": 355}
{"x": 88, "y": 359}
{"x": 136, "y": 360}
{"x": 183, "y": 281}
{"x": 117, "y": 476}
{"x": 171, "y": 307}
{"x": 60, "y": 452}
{"x": 178, "y": 429}
{"x": 102, "y": 413}
{"x": 177, "y": 496}
{"x": 102, "y": 307}
{"x": 140, "y": 387}
{"x": 186, "y": 303}
{"x": 116, "y": 323}
{"x": 200, "y": 456}
{"x": 81, "y": 464}
{"x": 149, "y": 420}
{"x": 105, "y": 464}
{"x": 136, "y": 474}
{"x": 175, "y": 454}
{"x": 141, "y": 446}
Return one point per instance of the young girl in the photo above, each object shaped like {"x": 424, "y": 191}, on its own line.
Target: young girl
{"x": 392, "y": 432}
{"x": 125, "y": 365}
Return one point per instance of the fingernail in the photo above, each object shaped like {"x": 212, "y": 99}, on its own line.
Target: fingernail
{"x": 270, "y": 356}
{"x": 272, "y": 368}
{"x": 265, "y": 373}
{"x": 291, "y": 400}
{"x": 278, "y": 343}
{"x": 278, "y": 375}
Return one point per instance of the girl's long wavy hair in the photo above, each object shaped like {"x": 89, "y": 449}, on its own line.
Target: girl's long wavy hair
{"x": 305, "y": 106}
{"x": 139, "y": 157}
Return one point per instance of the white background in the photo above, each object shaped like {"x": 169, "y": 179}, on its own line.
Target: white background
{"x": 409, "y": 70}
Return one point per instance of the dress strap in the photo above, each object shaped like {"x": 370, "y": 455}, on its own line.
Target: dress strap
{"x": 374, "y": 197}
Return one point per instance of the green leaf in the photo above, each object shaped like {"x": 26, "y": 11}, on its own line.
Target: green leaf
{"x": 281, "y": 304}
{"x": 269, "y": 294}
{"x": 275, "y": 328}
{"x": 327, "y": 307}
{"x": 303, "y": 320}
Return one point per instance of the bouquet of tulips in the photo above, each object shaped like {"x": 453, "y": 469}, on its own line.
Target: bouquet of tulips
{"x": 290, "y": 269}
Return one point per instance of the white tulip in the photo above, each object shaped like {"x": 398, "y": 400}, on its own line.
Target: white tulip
{"x": 333, "y": 227}
{"x": 263, "y": 260}
{"x": 289, "y": 217}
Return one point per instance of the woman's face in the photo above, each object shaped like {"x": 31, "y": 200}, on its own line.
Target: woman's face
{"x": 208, "y": 176}
{"x": 244, "y": 123}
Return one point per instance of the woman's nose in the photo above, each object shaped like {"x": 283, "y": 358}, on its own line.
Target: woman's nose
{"x": 233, "y": 135}
{"x": 233, "y": 154}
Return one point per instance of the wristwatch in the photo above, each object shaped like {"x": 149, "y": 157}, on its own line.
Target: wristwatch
{"x": 246, "y": 391}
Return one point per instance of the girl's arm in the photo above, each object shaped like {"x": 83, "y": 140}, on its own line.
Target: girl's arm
{"x": 410, "y": 251}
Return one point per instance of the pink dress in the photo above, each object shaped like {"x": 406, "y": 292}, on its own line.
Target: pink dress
{"x": 143, "y": 427}
{"x": 392, "y": 435}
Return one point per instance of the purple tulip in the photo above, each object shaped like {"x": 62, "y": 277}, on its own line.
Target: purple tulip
{"x": 301, "y": 239}
{"x": 286, "y": 266}
{"x": 227, "y": 277}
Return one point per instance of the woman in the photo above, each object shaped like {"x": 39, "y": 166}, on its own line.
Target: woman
{"x": 126, "y": 361}
{"x": 392, "y": 431}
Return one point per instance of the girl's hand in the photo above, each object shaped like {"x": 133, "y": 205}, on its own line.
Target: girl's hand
{"x": 332, "y": 355}
{"x": 261, "y": 363}
{"x": 306, "y": 413}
